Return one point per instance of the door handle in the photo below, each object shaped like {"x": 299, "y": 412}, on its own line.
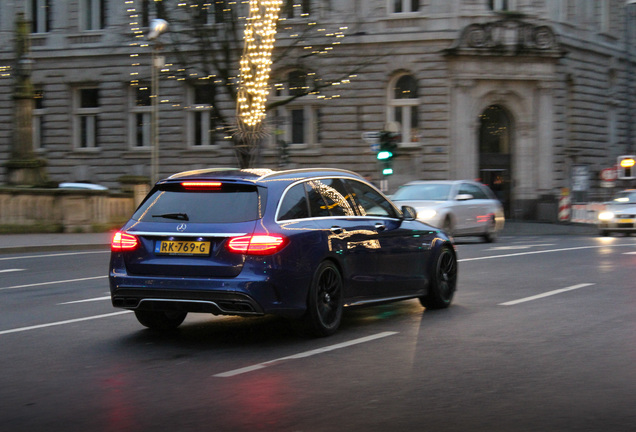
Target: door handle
{"x": 336, "y": 229}
{"x": 380, "y": 226}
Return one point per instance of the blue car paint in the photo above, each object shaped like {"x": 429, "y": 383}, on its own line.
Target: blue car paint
{"x": 376, "y": 266}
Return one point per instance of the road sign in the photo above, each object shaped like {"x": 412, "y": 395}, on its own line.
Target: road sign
{"x": 609, "y": 174}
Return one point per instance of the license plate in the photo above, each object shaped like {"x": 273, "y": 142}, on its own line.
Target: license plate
{"x": 626, "y": 221}
{"x": 180, "y": 247}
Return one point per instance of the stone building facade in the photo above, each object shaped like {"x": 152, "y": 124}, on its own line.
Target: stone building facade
{"x": 530, "y": 96}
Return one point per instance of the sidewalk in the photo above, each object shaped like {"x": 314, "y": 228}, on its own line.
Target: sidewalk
{"x": 21, "y": 243}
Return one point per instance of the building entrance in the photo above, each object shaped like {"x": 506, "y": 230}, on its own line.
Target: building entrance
{"x": 495, "y": 167}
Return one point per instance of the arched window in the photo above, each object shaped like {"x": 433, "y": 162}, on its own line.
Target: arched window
{"x": 403, "y": 108}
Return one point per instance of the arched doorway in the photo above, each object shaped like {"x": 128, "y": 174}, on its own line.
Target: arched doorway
{"x": 495, "y": 142}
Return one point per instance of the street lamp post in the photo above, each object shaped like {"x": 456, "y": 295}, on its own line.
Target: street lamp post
{"x": 157, "y": 27}
{"x": 628, "y": 51}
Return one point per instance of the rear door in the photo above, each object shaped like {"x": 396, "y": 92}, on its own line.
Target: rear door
{"x": 349, "y": 238}
{"x": 479, "y": 208}
{"x": 466, "y": 209}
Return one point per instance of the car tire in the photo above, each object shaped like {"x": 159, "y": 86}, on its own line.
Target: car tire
{"x": 604, "y": 233}
{"x": 324, "y": 303}
{"x": 490, "y": 235}
{"x": 160, "y": 320}
{"x": 443, "y": 280}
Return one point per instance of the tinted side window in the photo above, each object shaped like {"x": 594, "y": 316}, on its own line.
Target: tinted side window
{"x": 294, "y": 205}
{"x": 475, "y": 191}
{"x": 336, "y": 198}
{"x": 369, "y": 201}
{"x": 488, "y": 194}
{"x": 317, "y": 205}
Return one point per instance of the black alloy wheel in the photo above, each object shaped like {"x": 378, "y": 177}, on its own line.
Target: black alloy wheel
{"x": 443, "y": 281}
{"x": 324, "y": 305}
{"x": 160, "y": 320}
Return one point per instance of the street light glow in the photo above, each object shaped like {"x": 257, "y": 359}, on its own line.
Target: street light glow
{"x": 157, "y": 28}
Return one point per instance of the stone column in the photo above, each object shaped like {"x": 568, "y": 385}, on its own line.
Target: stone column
{"x": 545, "y": 135}
{"x": 463, "y": 148}
{"x": 24, "y": 169}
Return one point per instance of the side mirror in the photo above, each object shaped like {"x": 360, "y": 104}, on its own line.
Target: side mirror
{"x": 464, "y": 197}
{"x": 408, "y": 213}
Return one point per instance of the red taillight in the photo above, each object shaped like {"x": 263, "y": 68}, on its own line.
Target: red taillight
{"x": 257, "y": 244}
{"x": 201, "y": 185}
{"x": 123, "y": 242}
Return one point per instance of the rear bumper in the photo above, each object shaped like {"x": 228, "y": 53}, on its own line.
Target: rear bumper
{"x": 235, "y": 296}
{"x": 217, "y": 303}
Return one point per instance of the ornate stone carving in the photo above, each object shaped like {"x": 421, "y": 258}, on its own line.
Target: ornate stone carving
{"x": 510, "y": 36}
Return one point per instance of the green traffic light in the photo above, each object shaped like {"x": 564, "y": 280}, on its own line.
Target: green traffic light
{"x": 384, "y": 155}
{"x": 387, "y": 171}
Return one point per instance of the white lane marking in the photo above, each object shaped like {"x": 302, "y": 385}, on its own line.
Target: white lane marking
{"x": 304, "y": 354}
{"x": 541, "y": 252}
{"x": 523, "y": 246}
{"x": 546, "y": 294}
{"x": 11, "y": 270}
{"x": 85, "y": 300}
{"x": 52, "y": 283}
{"x": 54, "y": 255}
{"x": 58, "y": 323}
{"x": 629, "y": 253}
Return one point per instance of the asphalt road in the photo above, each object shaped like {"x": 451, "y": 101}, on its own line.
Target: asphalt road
{"x": 541, "y": 337}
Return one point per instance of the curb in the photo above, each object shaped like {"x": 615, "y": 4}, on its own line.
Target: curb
{"x": 52, "y": 248}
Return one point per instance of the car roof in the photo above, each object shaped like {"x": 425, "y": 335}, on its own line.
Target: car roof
{"x": 259, "y": 175}
{"x": 81, "y": 185}
{"x": 450, "y": 182}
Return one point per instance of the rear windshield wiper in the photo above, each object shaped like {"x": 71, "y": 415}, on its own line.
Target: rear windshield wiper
{"x": 177, "y": 216}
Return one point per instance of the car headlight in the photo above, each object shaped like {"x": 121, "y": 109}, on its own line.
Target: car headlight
{"x": 426, "y": 214}
{"x": 606, "y": 215}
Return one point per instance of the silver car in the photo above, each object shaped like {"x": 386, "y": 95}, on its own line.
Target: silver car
{"x": 619, "y": 214}
{"x": 459, "y": 207}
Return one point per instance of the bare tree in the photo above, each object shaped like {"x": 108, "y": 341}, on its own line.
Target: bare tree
{"x": 206, "y": 42}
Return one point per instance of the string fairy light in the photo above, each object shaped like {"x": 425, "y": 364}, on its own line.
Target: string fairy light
{"x": 256, "y": 61}
{"x": 261, "y": 27}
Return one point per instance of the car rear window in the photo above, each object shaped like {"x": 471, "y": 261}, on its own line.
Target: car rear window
{"x": 230, "y": 203}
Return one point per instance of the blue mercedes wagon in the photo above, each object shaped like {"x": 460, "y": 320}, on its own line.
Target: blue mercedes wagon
{"x": 302, "y": 244}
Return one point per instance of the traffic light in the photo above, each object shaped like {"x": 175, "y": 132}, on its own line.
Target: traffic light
{"x": 626, "y": 167}
{"x": 388, "y": 144}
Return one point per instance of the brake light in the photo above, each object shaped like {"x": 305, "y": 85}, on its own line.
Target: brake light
{"x": 257, "y": 244}
{"x": 123, "y": 242}
{"x": 201, "y": 185}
